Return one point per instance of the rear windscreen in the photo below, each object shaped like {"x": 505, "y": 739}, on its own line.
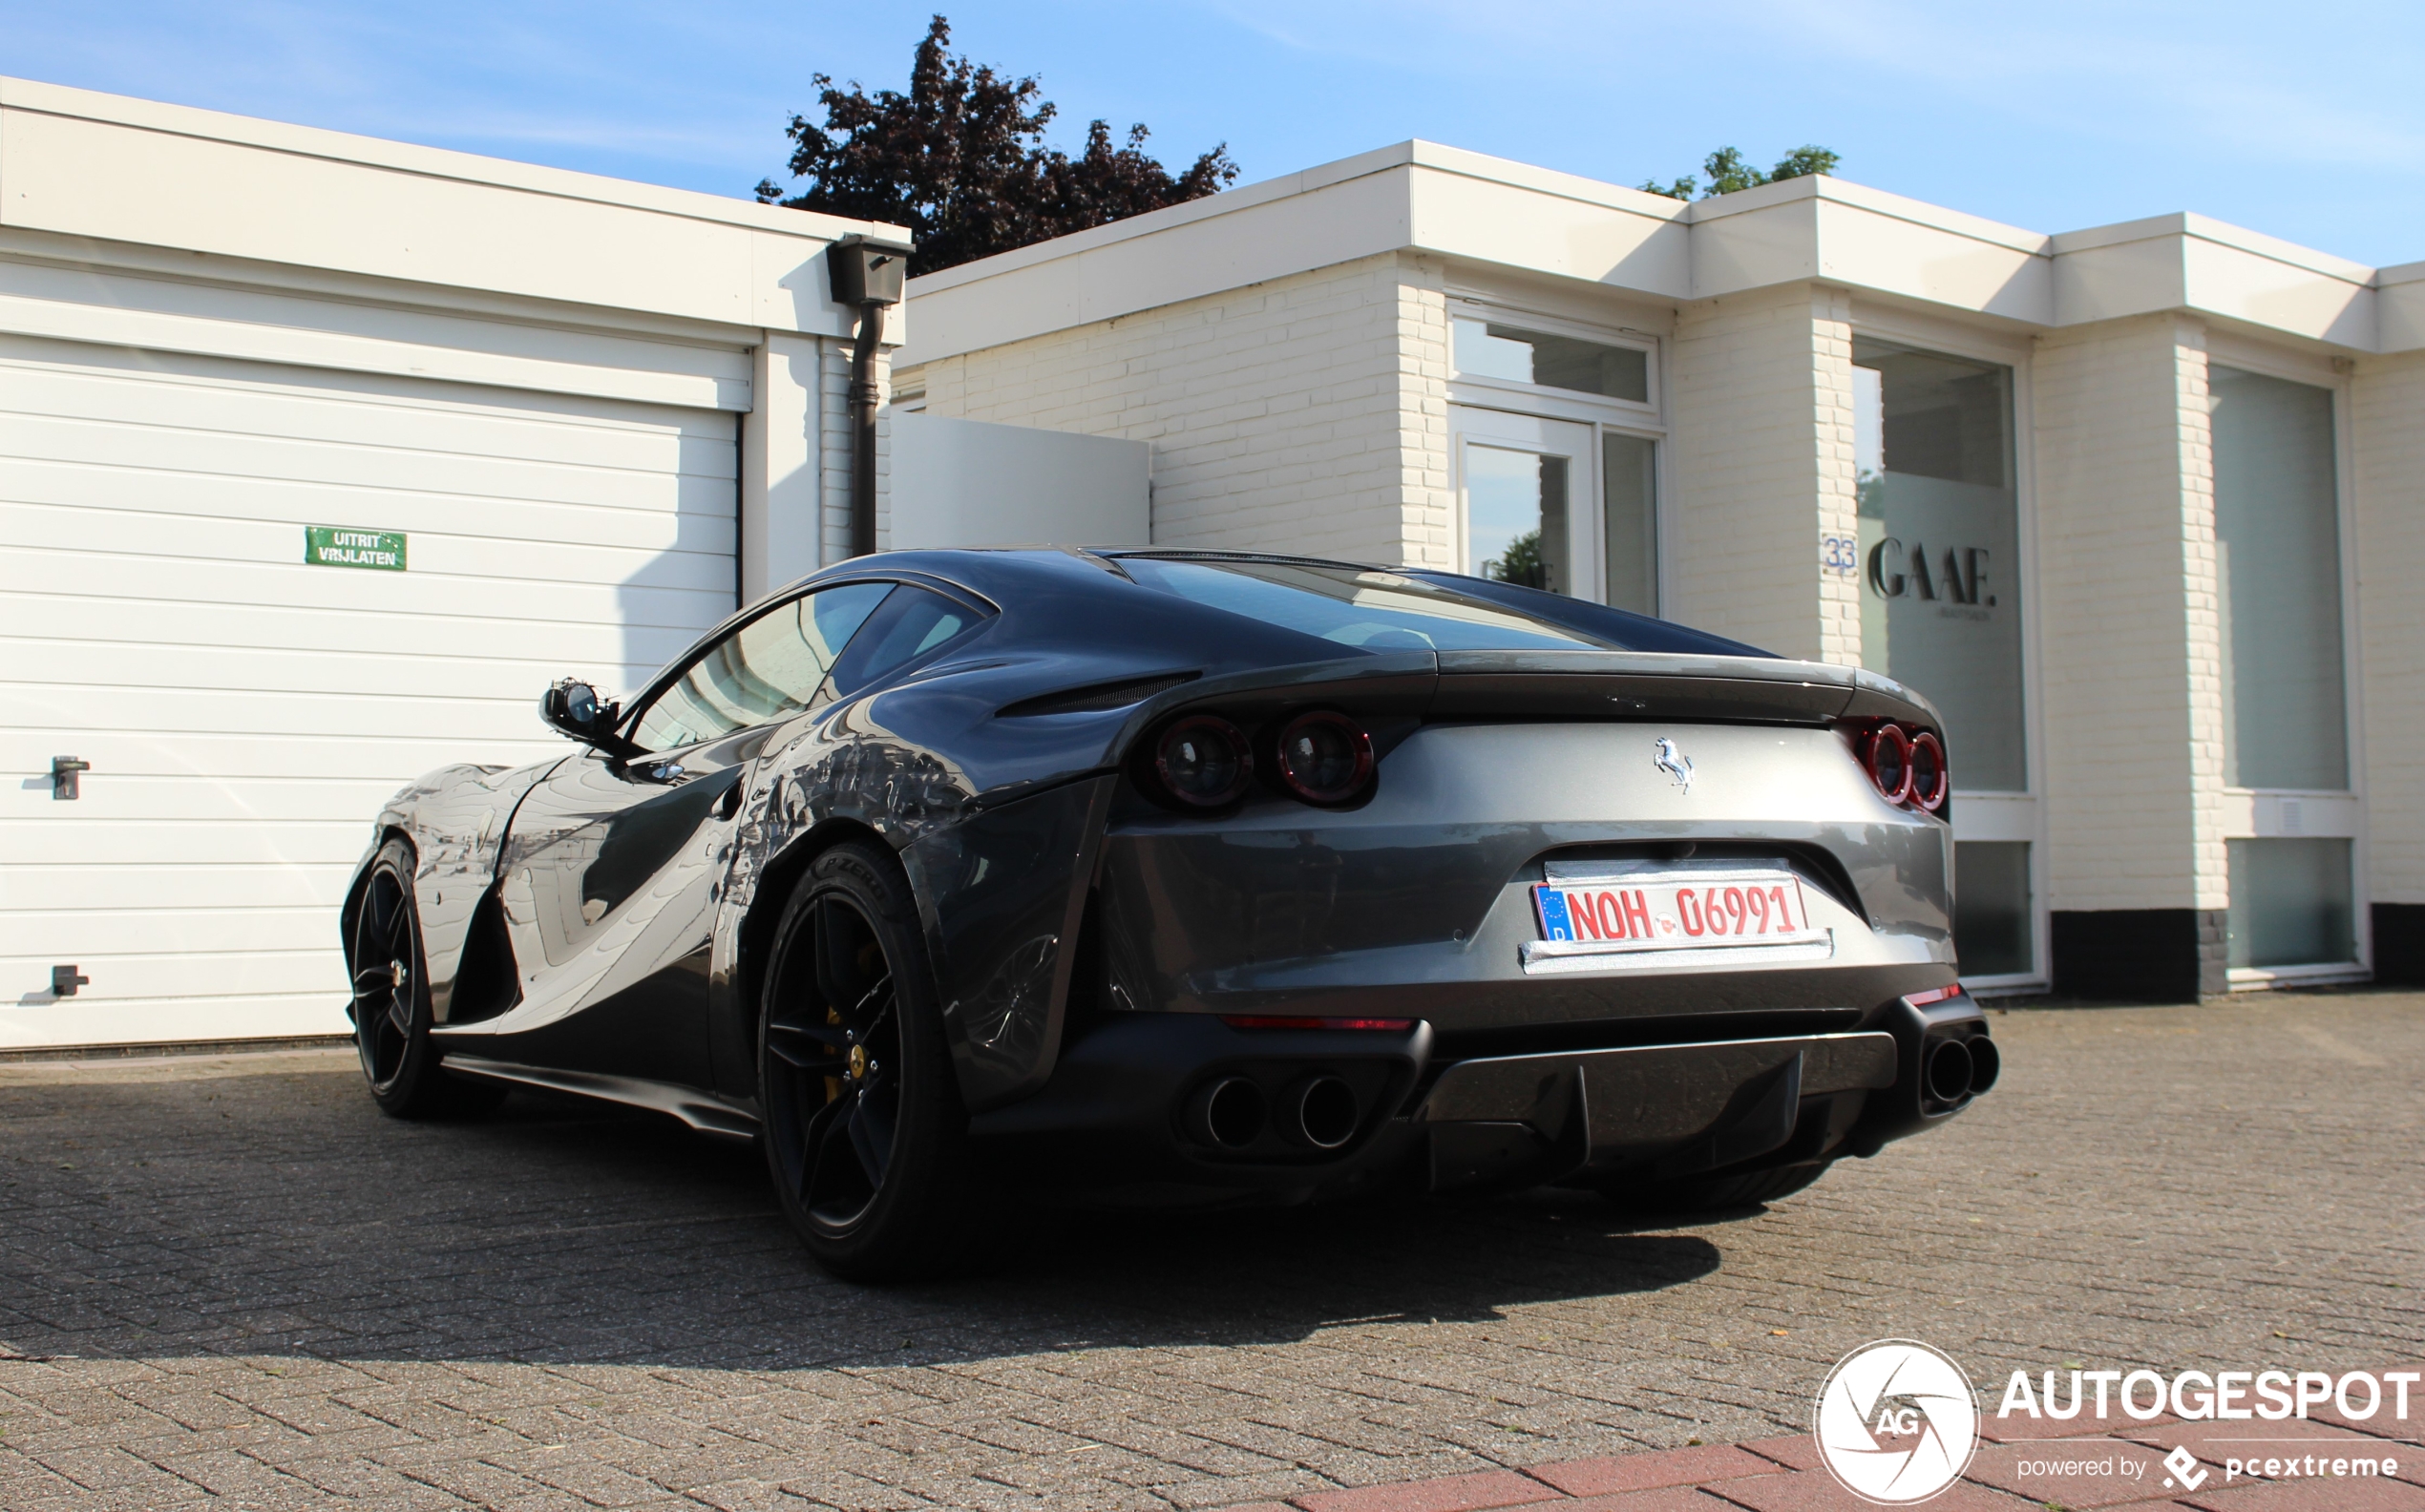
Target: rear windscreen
{"x": 1385, "y": 611}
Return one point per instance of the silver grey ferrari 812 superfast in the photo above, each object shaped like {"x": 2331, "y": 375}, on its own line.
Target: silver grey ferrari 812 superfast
{"x": 1193, "y": 876}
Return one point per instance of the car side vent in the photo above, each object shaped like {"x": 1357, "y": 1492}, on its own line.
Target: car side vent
{"x": 1097, "y": 697}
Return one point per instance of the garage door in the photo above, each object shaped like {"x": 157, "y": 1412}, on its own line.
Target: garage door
{"x": 244, "y": 711}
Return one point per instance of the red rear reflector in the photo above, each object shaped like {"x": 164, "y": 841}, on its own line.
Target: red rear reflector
{"x": 1934, "y": 995}
{"x": 1270, "y": 1021}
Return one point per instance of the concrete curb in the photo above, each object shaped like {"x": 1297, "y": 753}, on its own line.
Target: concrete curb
{"x": 1785, "y": 1475}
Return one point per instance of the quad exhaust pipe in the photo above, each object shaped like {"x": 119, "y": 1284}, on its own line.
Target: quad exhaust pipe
{"x": 1986, "y": 1062}
{"x": 1320, "y": 1111}
{"x": 1231, "y": 1113}
{"x": 1226, "y": 1114}
{"x": 1962, "y": 1069}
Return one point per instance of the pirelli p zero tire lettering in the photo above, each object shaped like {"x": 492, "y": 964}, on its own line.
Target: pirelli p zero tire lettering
{"x": 865, "y": 1134}
{"x": 390, "y": 1000}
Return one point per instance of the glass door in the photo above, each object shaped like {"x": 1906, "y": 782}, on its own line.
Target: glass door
{"x": 1528, "y": 498}
{"x": 1938, "y": 472}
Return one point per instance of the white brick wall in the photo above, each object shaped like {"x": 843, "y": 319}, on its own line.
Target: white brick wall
{"x": 1761, "y": 409}
{"x": 2388, "y": 432}
{"x": 2131, "y": 640}
{"x": 1307, "y": 414}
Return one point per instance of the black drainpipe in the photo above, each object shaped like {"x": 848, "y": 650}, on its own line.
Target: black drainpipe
{"x": 864, "y": 398}
{"x": 866, "y": 274}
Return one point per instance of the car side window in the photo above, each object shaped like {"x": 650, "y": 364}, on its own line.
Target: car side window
{"x": 766, "y": 670}
{"x": 912, "y": 622}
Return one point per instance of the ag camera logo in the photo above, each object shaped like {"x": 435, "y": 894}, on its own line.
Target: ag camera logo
{"x": 1897, "y": 1422}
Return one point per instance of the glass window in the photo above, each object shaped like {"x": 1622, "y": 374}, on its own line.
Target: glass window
{"x": 1415, "y": 610}
{"x": 912, "y": 621}
{"x": 2291, "y": 903}
{"x": 1377, "y": 611}
{"x": 2278, "y": 550}
{"x": 1992, "y": 907}
{"x": 768, "y": 669}
{"x": 1628, "y": 495}
{"x": 1516, "y": 518}
{"x": 1488, "y": 349}
{"x": 1940, "y": 547}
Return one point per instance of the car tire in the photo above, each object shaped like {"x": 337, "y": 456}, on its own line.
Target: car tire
{"x": 1712, "y": 1194}
{"x": 865, "y": 1134}
{"x": 390, "y": 1004}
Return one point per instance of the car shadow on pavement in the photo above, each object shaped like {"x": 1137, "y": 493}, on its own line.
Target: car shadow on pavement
{"x": 274, "y": 1214}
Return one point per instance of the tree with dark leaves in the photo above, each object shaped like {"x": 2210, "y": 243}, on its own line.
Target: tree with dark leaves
{"x": 960, "y": 160}
{"x": 1728, "y": 171}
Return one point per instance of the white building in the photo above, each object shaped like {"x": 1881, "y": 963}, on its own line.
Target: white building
{"x": 584, "y": 416}
{"x": 2140, "y": 507}
{"x": 2136, "y": 506}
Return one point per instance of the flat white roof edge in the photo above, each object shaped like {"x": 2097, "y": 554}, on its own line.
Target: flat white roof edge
{"x": 1412, "y": 153}
{"x": 145, "y": 260}
{"x": 441, "y": 162}
{"x": 2190, "y": 225}
{"x": 1548, "y": 180}
{"x": 1228, "y": 201}
{"x": 1877, "y": 201}
{"x": 1417, "y": 153}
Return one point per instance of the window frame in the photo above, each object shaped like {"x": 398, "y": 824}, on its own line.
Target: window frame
{"x": 984, "y": 610}
{"x": 628, "y": 726}
{"x": 2257, "y": 813}
{"x": 1993, "y": 815}
{"x": 1645, "y": 421}
{"x": 1546, "y": 401}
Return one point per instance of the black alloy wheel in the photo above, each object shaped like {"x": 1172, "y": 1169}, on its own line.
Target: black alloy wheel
{"x": 864, "y": 1130}
{"x": 390, "y": 1006}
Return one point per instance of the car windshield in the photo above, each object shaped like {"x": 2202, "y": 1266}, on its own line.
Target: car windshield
{"x": 1371, "y": 610}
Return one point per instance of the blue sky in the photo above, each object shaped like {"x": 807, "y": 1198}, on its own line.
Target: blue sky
{"x": 2306, "y": 122}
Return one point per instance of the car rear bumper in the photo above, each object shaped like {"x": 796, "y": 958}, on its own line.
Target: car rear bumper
{"x": 1130, "y": 1110}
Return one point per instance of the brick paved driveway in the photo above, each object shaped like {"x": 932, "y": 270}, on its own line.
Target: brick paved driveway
{"x": 231, "y": 1278}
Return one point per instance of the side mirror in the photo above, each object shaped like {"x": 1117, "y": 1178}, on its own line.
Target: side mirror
{"x": 574, "y": 708}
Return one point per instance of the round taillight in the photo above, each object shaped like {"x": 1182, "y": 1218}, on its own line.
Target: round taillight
{"x": 1203, "y": 761}
{"x": 1325, "y": 758}
{"x": 1930, "y": 783}
{"x": 1889, "y": 763}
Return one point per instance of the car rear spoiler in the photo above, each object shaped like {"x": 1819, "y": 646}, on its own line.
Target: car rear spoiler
{"x": 1625, "y": 684}
{"x": 1563, "y": 684}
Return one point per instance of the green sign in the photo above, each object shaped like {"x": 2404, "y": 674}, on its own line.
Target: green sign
{"x": 338, "y": 546}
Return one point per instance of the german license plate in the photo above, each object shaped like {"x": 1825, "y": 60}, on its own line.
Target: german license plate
{"x": 1592, "y": 911}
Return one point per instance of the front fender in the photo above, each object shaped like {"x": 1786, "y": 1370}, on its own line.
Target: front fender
{"x": 456, "y": 819}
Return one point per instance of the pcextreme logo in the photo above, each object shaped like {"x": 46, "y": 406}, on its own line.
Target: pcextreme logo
{"x": 1897, "y": 1422}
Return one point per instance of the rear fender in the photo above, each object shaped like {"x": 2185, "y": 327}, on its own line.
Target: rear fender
{"x": 817, "y": 782}
{"x": 1002, "y": 894}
